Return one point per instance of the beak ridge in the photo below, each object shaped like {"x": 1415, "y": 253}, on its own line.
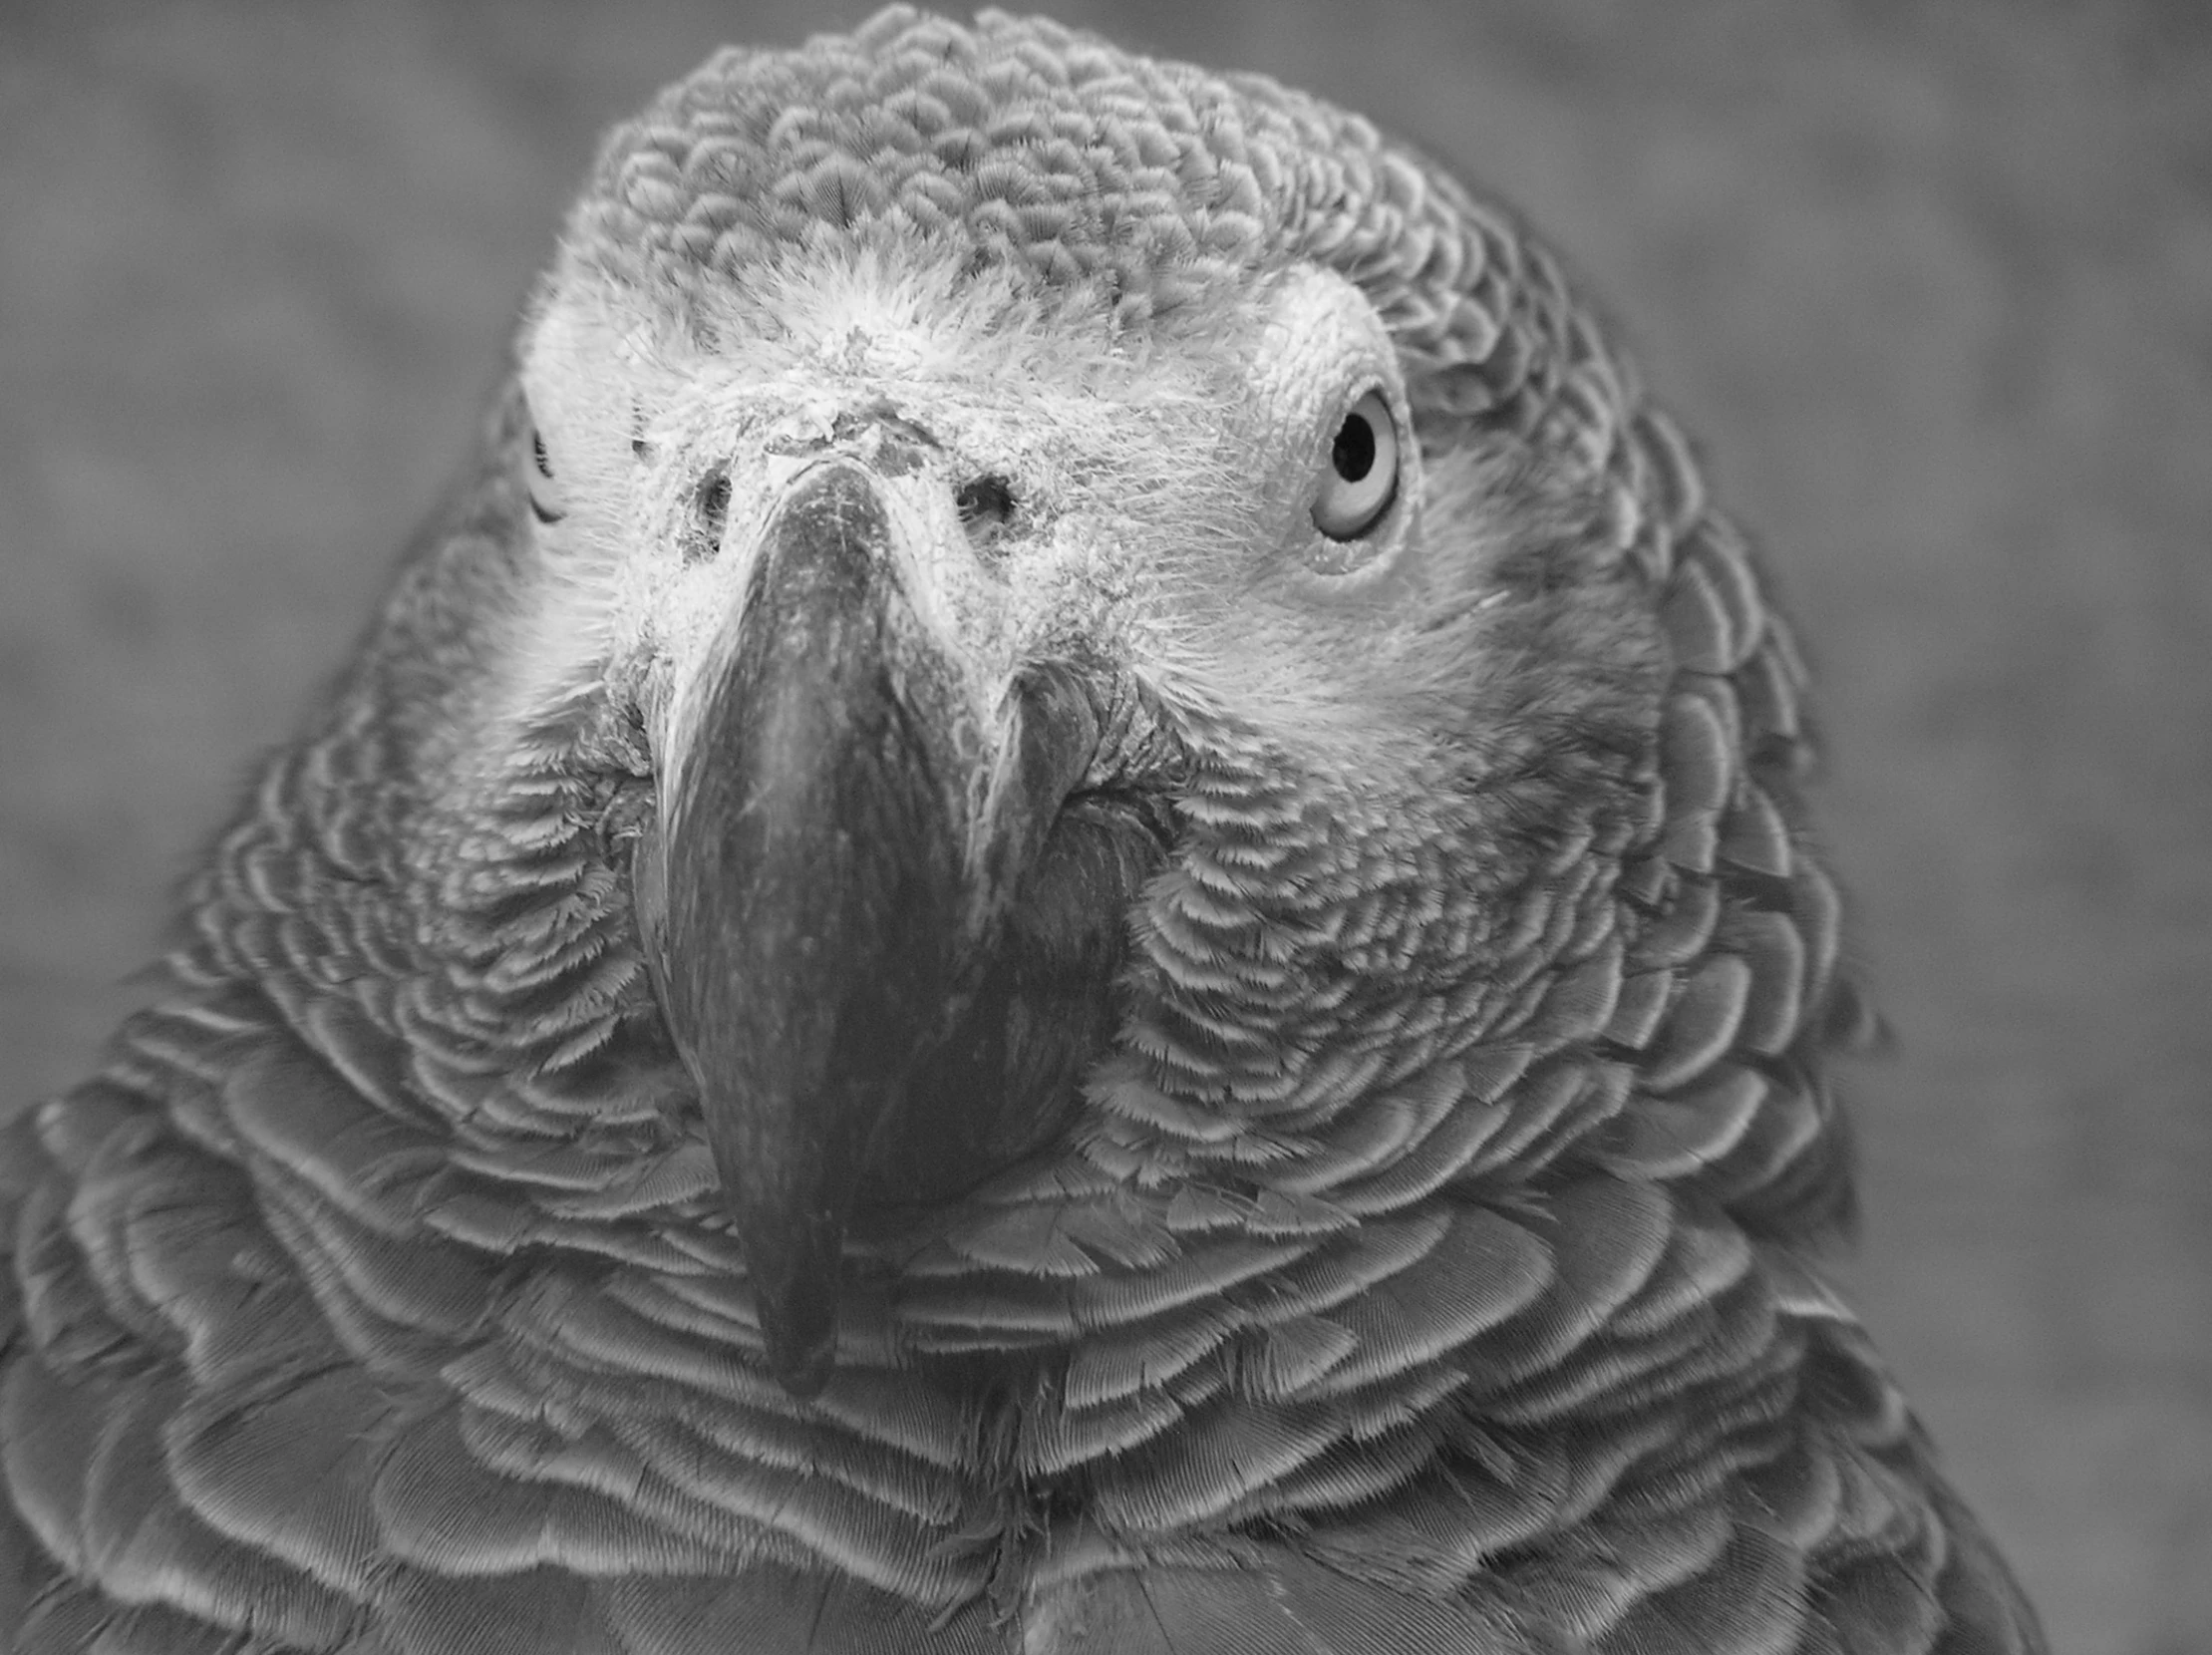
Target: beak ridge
{"x": 813, "y": 892}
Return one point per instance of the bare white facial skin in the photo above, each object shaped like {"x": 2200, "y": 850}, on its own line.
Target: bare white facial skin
{"x": 1165, "y": 489}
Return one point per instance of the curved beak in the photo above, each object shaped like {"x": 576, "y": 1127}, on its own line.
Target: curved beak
{"x": 846, "y": 816}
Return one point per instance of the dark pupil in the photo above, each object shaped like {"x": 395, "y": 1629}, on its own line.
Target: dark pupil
{"x": 1353, "y": 453}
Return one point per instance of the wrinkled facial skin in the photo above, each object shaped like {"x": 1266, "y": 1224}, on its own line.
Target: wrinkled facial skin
{"x": 919, "y": 585}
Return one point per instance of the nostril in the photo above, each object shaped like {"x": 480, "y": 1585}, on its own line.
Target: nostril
{"x": 985, "y": 503}
{"x": 985, "y": 497}
{"x": 710, "y": 516}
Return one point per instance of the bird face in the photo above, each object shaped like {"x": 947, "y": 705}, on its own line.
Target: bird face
{"x": 932, "y": 590}
{"x": 1055, "y": 488}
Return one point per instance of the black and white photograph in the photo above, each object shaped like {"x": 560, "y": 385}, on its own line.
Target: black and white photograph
{"x": 1251, "y": 827}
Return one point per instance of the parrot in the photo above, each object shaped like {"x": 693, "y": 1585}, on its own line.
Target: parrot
{"x": 1067, "y": 907}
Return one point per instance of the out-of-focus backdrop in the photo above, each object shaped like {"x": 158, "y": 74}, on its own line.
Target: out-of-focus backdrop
{"x": 1931, "y": 282}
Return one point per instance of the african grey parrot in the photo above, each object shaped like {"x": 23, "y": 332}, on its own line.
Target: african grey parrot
{"x": 1067, "y": 912}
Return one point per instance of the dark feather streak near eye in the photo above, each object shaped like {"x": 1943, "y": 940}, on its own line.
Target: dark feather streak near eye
{"x": 538, "y": 456}
{"x": 544, "y": 514}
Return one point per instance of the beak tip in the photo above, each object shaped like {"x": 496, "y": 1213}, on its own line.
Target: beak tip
{"x": 804, "y": 1382}
{"x": 801, "y": 1358}
{"x": 796, "y": 1272}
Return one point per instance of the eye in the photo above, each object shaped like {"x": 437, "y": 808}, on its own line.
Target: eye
{"x": 1361, "y": 481}
{"x": 537, "y": 481}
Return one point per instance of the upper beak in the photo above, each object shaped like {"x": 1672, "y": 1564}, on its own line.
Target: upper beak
{"x": 844, "y": 820}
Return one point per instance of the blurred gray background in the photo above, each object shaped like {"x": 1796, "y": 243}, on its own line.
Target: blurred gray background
{"x": 1932, "y": 283}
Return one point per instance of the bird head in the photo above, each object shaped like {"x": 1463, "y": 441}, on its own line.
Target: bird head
{"x": 1146, "y": 617}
